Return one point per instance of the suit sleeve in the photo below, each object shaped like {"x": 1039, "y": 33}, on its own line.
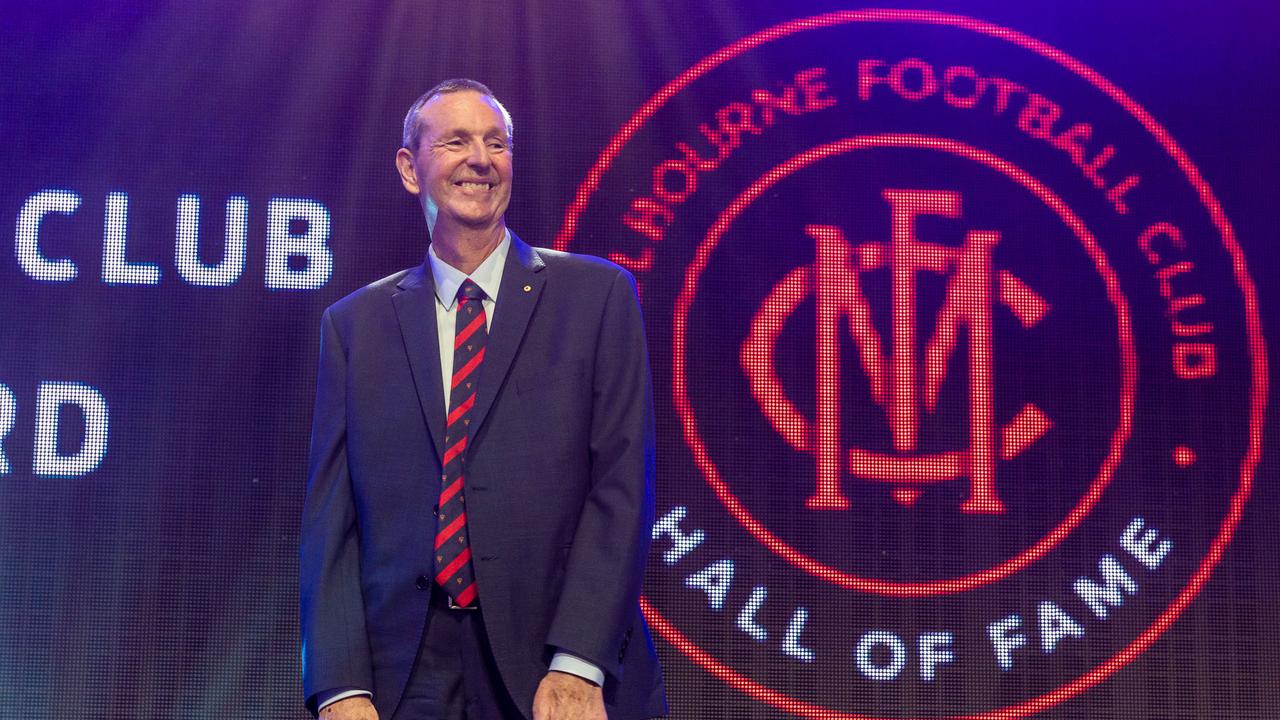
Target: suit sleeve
{"x": 598, "y": 602}
{"x": 335, "y": 644}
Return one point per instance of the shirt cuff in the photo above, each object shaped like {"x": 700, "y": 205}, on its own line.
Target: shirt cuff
{"x": 568, "y": 663}
{"x": 343, "y": 695}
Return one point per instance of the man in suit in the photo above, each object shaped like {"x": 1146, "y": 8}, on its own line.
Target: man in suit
{"x": 480, "y": 490}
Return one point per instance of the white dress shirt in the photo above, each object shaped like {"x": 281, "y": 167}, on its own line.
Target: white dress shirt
{"x": 448, "y": 279}
{"x": 489, "y": 277}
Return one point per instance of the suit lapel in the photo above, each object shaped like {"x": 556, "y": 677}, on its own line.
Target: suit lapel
{"x": 522, "y": 280}
{"x": 416, "y": 312}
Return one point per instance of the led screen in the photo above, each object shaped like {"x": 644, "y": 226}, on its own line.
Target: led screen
{"x": 959, "y": 316}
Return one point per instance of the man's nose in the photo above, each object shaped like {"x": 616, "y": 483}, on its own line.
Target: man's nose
{"x": 478, "y": 155}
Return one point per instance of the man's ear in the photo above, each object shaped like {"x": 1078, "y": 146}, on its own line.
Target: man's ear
{"x": 404, "y": 165}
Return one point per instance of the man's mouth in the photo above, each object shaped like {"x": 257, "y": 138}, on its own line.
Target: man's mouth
{"x": 473, "y": 185}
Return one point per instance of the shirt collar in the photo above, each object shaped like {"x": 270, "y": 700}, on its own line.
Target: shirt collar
{"x": 488, "y": 276}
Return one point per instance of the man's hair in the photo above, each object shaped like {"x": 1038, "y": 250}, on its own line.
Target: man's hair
{"x": 413, "y": 120}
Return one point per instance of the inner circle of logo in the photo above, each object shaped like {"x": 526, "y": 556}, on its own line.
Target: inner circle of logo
{"x": 715, "y": 663}
{"x": 781, "y": 547}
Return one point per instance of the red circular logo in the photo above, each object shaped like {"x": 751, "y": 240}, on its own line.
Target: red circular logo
{"x": 948, "y": 315}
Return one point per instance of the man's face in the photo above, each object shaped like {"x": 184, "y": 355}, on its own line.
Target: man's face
{"x": 463, "y": 161}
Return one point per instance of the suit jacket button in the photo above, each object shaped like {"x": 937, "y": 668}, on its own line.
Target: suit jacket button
{"x": 423, "y": 583}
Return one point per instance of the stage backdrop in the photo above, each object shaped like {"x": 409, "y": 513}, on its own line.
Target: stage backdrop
{"x": 959, "y": 316}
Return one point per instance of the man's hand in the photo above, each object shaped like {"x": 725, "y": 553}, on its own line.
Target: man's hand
{"x": 359, "y": 707}
{"x": 564, "y": 696}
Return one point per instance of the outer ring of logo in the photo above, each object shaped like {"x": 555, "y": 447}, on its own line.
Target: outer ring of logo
{"x": 1253, "y": 328}
{"x": 835, "y": 576}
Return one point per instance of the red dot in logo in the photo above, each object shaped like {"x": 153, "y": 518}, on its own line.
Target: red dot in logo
{"x": 1183, "y": 456}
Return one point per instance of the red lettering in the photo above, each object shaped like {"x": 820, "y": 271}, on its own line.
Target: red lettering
{"x": 1116, "y": 194}
{"x": 812, "y": 88}
{"x": 676, "y": 179}
{"x": 698, "y": 162}
{"x": 1165, "y": 275}
{"x": 909, "y": 257}
{"x": 648, "y": 217}
{"x": 836, "y": 292}
{"x": 963, "y": 87}
{"x": 1005, "y": 90}
{"x": 868, "y": 79}
{"x": 1192, "y": 361}
{"x": 928, "y": 83}
{"x": 688, "y": 181}
{"x": 1147, "y": 239}
{"x": 1072, "y": 141}
{"x": 954, "y": 98}
{"x": 1093, "y": 167}
{"x": 788, "y": 103}
{"x": 1038, "y": 116}
{"x": 1177, "y": 305}
{"x": 734, "y": 119}
{"x": 727, "y": 135}
{"x": 718, "y": 140}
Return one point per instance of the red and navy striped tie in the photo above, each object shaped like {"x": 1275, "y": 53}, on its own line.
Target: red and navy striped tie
{"x": 454, "y": 571}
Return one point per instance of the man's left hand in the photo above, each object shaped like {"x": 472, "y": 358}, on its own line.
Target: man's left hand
{"x": 564, "y": 696}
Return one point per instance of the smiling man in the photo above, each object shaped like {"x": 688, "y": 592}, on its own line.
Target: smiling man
{"x": 480, "y": 489}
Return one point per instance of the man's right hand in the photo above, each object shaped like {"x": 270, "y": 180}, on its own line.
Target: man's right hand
{"x": 359, "y": 707}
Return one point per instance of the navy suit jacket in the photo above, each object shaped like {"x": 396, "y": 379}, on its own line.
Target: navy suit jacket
{"x": 559, "y": 485}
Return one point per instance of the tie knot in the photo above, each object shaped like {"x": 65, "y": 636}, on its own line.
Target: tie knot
{"x": 470, "y": 291}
